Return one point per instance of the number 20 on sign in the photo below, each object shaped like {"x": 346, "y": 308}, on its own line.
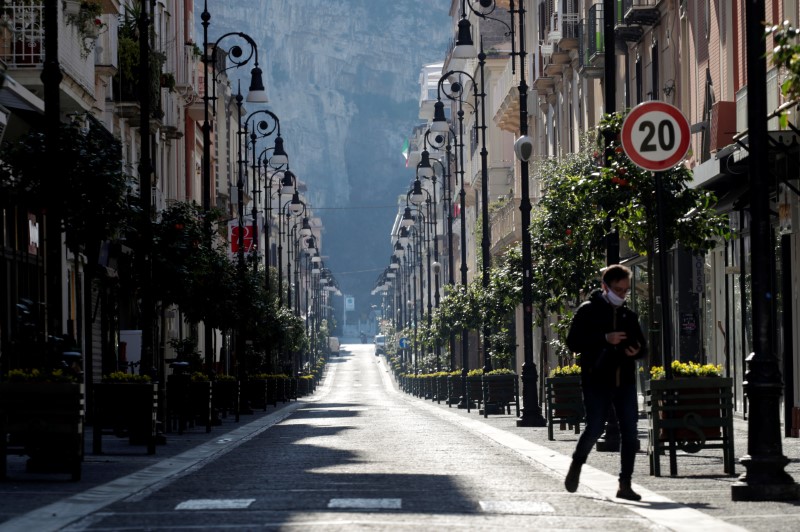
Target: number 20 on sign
{"x": 655, "y": 136}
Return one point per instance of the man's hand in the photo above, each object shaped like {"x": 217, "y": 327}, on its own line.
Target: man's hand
{"x": 633, "y": 350}
{"x": 616, "y": 337}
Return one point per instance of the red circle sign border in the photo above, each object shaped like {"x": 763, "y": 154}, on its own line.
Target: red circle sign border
{"x": 636, "y": 157}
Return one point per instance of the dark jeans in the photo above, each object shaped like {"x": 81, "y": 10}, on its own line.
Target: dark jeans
{"x": 597, "y": 402}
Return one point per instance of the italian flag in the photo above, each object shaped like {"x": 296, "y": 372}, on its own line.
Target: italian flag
{"x": 405, "y": 151}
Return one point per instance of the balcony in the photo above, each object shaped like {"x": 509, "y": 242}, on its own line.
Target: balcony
{"x": 554, "y": 66}
{"x": 591, "y": 53}
{"x": 506, "y": 228}
{"x": 569, "y": 31}
{"x": 642, "y": 12}
{"x": 632, "y": 16}
{"x": 22, "y": 36}
{"x": 22, "y": 39}
{"x": 505, "y": 96}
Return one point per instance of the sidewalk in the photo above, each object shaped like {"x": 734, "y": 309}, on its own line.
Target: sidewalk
{"x": 31, "y": 501}
{"x": 701, "y": 483}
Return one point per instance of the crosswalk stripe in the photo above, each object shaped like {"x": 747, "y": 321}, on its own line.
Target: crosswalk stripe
{"x": 516, "y": 507}
{"x": 382, "y": 504}
{"x": 215, "y": 504}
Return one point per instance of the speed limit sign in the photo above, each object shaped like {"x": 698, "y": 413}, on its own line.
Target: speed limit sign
{"x": 655, "y": 136}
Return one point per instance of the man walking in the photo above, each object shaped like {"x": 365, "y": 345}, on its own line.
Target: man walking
{"x": 608, "y": 338}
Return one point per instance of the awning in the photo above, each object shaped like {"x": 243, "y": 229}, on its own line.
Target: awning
{"x": 16, "y": 97}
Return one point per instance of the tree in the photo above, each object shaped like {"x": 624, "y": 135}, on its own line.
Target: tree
{"x": 583, "y": 198}
{"x": 95, "y": 203}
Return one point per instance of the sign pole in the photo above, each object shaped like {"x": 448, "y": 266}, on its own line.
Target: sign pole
{"x": 655, "y": 136}
{"x": 666, "y": 319}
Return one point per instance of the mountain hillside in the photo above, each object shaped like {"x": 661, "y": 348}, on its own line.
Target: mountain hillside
{"x": 343, "y": 77}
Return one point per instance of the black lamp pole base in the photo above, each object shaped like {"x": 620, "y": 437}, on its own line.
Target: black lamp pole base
{"x": 463, "y": 404}
{"x": 765, "y": 480}
{"x": 534, "y": 419}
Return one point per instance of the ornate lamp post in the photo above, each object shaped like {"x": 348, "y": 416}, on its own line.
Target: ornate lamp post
{"x": 293, "y": 207}
{"x": 531, "y": 412}
{"x": 417, "y": 195}
{"x": 256, "y": 94}
{"x": 260, "y": 129}
{"x": 454, "y": 92}
{"x": 765, "y": 478}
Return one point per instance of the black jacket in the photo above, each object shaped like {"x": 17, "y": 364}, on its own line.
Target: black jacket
{"x": 603, "y": 364}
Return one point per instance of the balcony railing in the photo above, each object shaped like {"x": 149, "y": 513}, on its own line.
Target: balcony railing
{"x": 508, "y": 81}
{"x": 22, "y": 35}
{"x": 505, "y": 225}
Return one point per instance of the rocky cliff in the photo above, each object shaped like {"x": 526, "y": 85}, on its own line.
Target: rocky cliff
{"x": 342, "y": 75}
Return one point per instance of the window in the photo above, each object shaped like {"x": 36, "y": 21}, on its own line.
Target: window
{"x": 638, "y": 74}
{"x": 655, "y": 93}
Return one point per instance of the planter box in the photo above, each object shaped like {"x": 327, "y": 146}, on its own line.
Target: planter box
{"x": 441, "y": 388}
{"x": 564, "y": 397}
{"x": 499, "y": 393}
{"x": 257, "y": 393}
{"x": 690, "y": 414}
{"x": 304, "y": 387}
{"x": 272, "y": 390}
{"x": 125, "y": 409}
{"x": 45, "y": 422}
{"x": 188, "y": 403}
{"x": 453, "y": 390}
{"x": 474, "y": 392}
{"x": 200, "y": 400}
{"x": 226, "y": 397}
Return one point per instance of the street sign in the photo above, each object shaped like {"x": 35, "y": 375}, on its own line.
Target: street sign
{"x": 655, "y": 136}
{"x": 404, "y": 343}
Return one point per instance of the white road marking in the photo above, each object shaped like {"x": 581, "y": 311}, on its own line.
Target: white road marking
{"x": 367, "y": 504}
{"x": 215, "y": 504}
{"x": 516, "y": 507}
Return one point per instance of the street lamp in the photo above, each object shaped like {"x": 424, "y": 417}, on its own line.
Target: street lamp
{"x": 531, "y": 415}
{"x": 454, "y": 93}
{"x": 292, "y": 207}
{"x": 260, "y": 129}
{"x": 256, "y": 94}
{"x": 267, "y": 164}
{"x": 462, "y": 50}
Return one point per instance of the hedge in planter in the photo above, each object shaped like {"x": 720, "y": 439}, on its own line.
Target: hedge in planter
{"x": 564, "y": 398}
{"x": 43, "y": 420}
{"x": 125, "y": 405}
{"x": 691, "y": 412}
{"x": 500, "y": 391}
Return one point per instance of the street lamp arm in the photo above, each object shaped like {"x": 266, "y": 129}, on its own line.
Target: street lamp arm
{"x": 263, "y": 128}
{"x": 485, "y": 9}
{"x": 235, "y": 53}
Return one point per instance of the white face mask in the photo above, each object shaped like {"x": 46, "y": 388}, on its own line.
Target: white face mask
{"x": 614, "y": 299}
